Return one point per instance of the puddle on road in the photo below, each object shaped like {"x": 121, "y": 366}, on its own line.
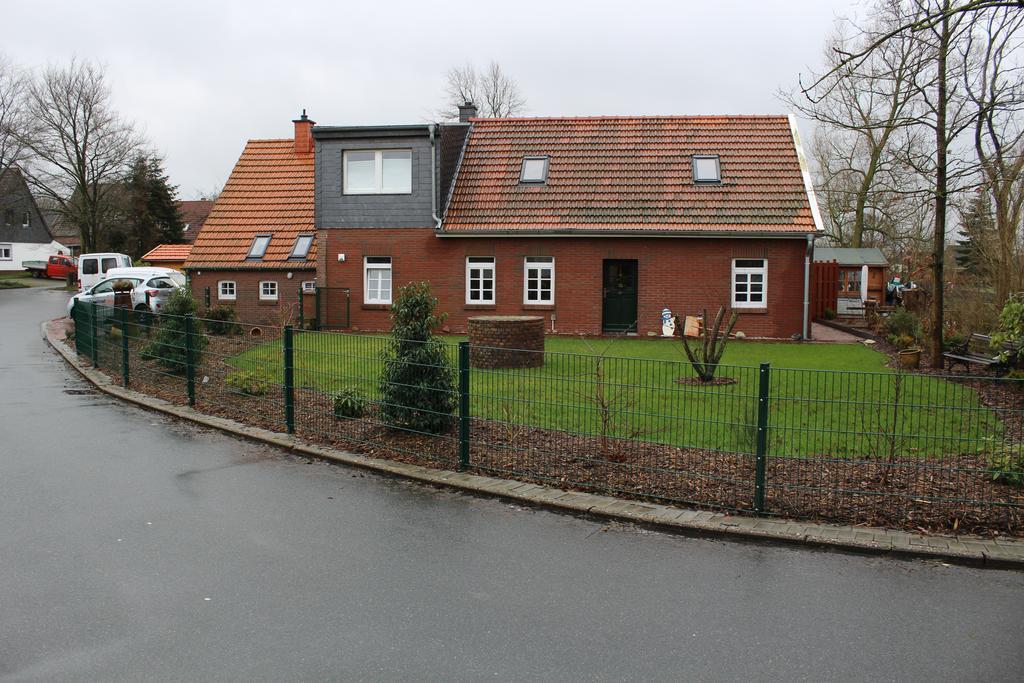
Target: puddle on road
{"x": 80, "y": 392}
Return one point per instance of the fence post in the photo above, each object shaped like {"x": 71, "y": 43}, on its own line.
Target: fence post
{"x": 761, "y": 458}
{"x": 463, "y": 405}
{"x": 124, "y": 346}
{"x": 190, "y": 371}
{"x": 316, "y": 318}
{"x": 93, "y": 350}
{"x": 289, "y": 379}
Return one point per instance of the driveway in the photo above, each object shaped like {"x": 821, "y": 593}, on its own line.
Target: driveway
{"x": 136, "y": 547}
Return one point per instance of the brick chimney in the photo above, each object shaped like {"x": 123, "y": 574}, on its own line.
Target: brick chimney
{"x": 467, "y": 111}
{"x": 304, "y": 134}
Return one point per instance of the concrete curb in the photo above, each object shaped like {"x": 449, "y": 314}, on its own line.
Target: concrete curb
{"x": 973, "y": 550}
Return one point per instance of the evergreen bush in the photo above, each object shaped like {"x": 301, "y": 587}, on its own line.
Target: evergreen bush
{"x": 167, "y": 346}
{"x": 417, "y": 384}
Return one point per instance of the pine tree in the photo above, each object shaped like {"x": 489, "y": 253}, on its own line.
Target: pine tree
{"x": 149, "y": 210}
{"x": 976, "y": 235}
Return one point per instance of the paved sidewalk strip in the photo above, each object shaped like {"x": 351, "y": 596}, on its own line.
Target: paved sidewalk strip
{"x": 998, "y": 552}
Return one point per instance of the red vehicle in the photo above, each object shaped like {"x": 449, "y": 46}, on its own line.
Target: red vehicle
{"x": 55, "y": 267}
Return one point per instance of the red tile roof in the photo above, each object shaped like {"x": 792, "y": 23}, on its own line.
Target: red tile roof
{"x": 193, "y": 214}
{"x": 168, "y": 252}
{"x": 269, "y": 192}
{"x": 622, "y": 174}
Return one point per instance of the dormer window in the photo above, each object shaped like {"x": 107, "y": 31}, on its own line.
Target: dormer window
{"x": 535, "y": 170}
{"x": 259, "y": 246}
{"x": 387, "y": 171}
{"x": 706, "y": 168}
{"x": 301, "y": 248}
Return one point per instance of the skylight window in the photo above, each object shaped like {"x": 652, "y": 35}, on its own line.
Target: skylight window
{"x": 535, "y": 170}
{"x": 301, "y": 247}
{"x": 259, "y": 246}
{"x": 706, "y": 169}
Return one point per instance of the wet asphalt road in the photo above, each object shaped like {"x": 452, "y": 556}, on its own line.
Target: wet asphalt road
{"x": 136, "y": 547}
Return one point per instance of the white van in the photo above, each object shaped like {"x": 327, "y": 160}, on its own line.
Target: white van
{"x": 93, "y": 267}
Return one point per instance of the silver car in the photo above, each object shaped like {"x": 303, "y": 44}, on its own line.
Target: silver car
{"x": 154, "y": 292}
{"x": 102, "y": 292}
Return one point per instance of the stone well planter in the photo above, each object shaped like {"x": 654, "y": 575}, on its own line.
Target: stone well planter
{"x": 506, "y": 341}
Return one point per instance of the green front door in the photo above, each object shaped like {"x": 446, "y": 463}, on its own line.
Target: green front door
{"x": 619, "y": 291}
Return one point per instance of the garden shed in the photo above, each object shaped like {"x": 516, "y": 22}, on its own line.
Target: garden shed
{"x": 861, "y": 276}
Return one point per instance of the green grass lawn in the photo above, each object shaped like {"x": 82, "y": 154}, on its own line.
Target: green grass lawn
{"x": 834, "y": 399}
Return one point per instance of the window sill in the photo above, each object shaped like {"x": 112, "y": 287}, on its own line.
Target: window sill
{"x": 538, "y": 307}
{"x": 479, "y": 307}
{"x": 375, "y": 307}
{"x": 761, "y": 310}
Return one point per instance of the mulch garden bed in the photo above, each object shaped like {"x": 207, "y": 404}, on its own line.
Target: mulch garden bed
{"x": 915, "y": 494}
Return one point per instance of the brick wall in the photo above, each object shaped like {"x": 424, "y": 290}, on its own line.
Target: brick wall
{"x": 683, "y": 274}
{"x": 247, "y": 304}
{"x": 515, "y": 341}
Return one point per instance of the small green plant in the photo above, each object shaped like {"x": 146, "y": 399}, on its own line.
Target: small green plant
{"x": 1011, "y": 328}
{"x": 350, "y": 402}
{"x": 417, "y": 384}
{"x": 829, "y": 314}
{"x": 901, "y": 341}
{"x": 900, "y": 325}
{"x": 953, "y": 340}
{"x": 1006, "y": 464}
{"x": 220, "y": 320}
{"x": 170, "y": 343}
{"x": 248, "y": 383}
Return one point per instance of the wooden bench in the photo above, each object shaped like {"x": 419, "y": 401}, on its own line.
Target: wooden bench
{"x": 977, "y": 350}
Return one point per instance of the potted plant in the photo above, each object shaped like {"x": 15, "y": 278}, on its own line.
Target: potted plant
{"x": 904, "y": 330}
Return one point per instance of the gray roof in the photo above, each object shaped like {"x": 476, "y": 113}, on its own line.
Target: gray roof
{"x": 848, "y": 256}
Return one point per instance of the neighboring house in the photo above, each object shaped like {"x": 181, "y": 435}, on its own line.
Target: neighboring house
{"x": 862, "y": 276}
{"x": 257, "y": 245}
{"x": 23, "y": 232}
{"x": 63, "y": 231}
{"x": 193, "y": 215}
{"x": 168, "y": 255}
{"x": 596, "y": 224}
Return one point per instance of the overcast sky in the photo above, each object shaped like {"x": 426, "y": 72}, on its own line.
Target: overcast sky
{"x": 200, "y": 78}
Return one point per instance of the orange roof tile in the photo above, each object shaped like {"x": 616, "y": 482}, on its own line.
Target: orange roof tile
{"x": 631, "y": 174}
{"x": 168, "y": 252}
{"x": 269, "y": 192}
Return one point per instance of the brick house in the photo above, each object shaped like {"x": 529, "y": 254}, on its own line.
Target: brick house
{"x": 257, "y": 246}
{"x": 596, "y": 224}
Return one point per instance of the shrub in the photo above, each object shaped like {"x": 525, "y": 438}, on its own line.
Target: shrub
{"x": 417, "y": 384}
{"x": 168, "y": 344}
{"x": 829, "y": 314}
{"x": 1011, "y": 327}
{"x": 1006, "y": 463}
{"x": 248, "y": 382}
{"x": 952, "y": 341}
{"x": 220, "y": 320}
{"x": 901, "y": 325}
{"x": 349, "y": 402}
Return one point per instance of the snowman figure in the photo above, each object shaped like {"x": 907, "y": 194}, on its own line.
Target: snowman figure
{"x": 668, "y": 323}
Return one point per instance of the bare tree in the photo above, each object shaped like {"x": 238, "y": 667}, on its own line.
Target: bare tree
{"x": 495, "y": 93}
{"x": 996, "y": 89}
{"x": 82, "y": 148}
{"x": 13, "y": 119}
{"x": 861, "y": 114}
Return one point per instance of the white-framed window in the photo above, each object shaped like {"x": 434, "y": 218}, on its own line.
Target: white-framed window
{"x": 377, "y": 280}
{"x": 259, "y": 246}
{"x": 749, "y": 283}
{"x": 226, "y": 290}
{"x": 539, "y": 280}
{"x": 6, "y": 252}
{"x": 479, "y": 279}
{"x": 268, "y": 290}
{"x": 380, "y": 171}
{"x": 707, "y": 168}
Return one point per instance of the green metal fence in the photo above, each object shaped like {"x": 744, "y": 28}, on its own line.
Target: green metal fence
{"x": 884, "y": 448}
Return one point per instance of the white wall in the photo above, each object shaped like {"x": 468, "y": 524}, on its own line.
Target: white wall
{"x": 30, "y": 251}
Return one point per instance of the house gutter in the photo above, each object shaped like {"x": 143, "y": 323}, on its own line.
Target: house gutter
{"x": 808, "y": 253}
